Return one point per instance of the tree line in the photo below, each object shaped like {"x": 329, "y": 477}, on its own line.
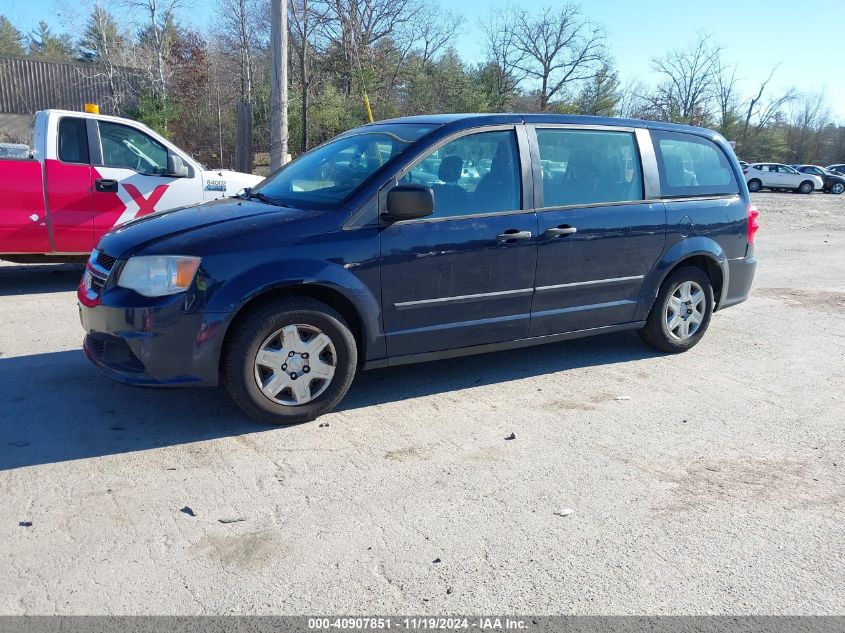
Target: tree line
{"x": 402, "y": 54}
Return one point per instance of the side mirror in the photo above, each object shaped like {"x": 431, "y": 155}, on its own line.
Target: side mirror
{"x": 176, "y": 167}
{"x": 406, "y": 202}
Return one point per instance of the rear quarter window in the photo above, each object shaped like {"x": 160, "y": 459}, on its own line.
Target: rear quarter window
{"x": 692, "y": 166}
{"x": 73, "y": 140}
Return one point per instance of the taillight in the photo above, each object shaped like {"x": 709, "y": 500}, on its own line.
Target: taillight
{"x": 745, "y": 172}
{"x": 753, "y": 222}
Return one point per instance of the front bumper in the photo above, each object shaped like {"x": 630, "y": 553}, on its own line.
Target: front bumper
{"x": 152, "y": 342}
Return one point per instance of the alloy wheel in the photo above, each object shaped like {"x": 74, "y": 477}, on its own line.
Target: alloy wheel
{"x": 685, "y": 310}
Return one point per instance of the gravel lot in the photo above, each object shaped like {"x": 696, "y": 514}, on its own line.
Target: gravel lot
{"x": 711, "y": 482}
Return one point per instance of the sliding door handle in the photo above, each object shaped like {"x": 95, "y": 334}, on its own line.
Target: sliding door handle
{"x": 513, "y": 234}
{"x": 563, "y": 229}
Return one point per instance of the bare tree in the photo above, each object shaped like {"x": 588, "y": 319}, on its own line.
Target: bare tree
{"x": 238, "y": 24}
{"x": 764, "y": 112}
{"x": 632, "y": 100}
{"x": 558, "y": 47}
{"x": 306, "y": 19}
{"x": 727, "y": 98}
{"x": 504, "y": 59}
{"x": 110, "y": 48}
{"x": 807, "y": 120}
{"x": 689, "y": 80}
{"x": 357, "y": 25}
{"x": 435, "y": 29}
{"x": 157, "y": 23}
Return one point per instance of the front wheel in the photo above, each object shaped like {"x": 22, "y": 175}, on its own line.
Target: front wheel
{"x": 806, "y": 187}
{"x": 289, "y": 361}
{"x": 681, "y": 313}
{"x": 837, "y": 188}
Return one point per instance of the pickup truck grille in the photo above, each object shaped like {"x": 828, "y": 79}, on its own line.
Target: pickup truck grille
{"x": 97, "y": 273}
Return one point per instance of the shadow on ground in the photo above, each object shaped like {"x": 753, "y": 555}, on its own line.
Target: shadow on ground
{"x": 26, "y": 279}
{"x": 57, "y": 407}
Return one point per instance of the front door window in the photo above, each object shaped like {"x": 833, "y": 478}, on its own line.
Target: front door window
{"x": 472, "y": 175}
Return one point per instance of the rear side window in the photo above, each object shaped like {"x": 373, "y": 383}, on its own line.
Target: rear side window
{"x": 692, "y": 166}
{"x": 73, "y": 141}
{"x": 588, "y": 167}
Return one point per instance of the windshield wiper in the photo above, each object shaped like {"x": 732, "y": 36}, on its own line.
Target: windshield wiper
{"x": 264, "y": 198}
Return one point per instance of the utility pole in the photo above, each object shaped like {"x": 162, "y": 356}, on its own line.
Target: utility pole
{"x": 279, "y": 83}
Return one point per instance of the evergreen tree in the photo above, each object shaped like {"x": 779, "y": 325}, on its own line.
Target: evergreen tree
{"x": 11, "y": 39}
{"x": 44, "y": 44}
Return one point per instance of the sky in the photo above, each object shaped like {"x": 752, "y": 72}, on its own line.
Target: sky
{"x": 805, "y": 39}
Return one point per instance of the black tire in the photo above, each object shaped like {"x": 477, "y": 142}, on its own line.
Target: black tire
{"x": 253, "y": 329}
{"x": 837, "y": 188}
{"x": 656, "y": 332}
{"x": 806, "y": 187}
{"x": 754, "y": 185}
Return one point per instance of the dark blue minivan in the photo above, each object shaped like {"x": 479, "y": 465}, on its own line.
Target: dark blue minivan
{"x": 423, "y": 238}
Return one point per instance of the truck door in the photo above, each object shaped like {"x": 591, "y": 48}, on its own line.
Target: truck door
{"x": 132, "y": 177}
{"x": 68, "y": 182}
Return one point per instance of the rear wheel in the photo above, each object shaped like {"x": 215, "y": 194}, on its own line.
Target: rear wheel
{"x": 681, "y": 313}
{"x": 837, "y": 188}
{"x": 289, "y": 361}
{"x": 806, "y": 187}
{"x": 754, "y": 185}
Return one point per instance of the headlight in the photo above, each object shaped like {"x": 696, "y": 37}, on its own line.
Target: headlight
{"x": 158, "y": 275}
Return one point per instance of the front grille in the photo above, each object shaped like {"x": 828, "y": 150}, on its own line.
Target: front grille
{"x": 105, "y": 261}
{"x": 97, "y": 273}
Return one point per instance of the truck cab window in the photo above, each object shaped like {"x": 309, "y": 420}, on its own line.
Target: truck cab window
{"x": 129, "y": 148}
{"x": 73, "y": 141}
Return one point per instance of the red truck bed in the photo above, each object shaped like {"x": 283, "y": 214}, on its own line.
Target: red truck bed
{"x": 23, "y": 220}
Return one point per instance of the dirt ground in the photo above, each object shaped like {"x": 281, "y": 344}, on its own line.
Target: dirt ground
{"x": 707, "y": 483}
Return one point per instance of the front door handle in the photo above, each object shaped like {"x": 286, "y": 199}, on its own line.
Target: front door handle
{"x": 563, "y": 229}
{"x": 513, "y": 234}
{"x": 106, "y": 185}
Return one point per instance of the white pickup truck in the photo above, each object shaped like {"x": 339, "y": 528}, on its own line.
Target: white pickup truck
{"x": 88, "y": 173}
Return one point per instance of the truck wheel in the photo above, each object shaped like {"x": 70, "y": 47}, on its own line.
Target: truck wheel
{"x": 681, "y": 313}
{"x": 806, "y": 187}
{"x": 289, "y": 361}
{"x": 837, "y": 188}
{"x": 754, "y": 185}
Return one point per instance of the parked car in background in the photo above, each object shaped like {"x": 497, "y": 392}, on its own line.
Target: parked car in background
{"x": 836, "y": 169}
{"x": 833, "y": 182}
{"x": 779, "y": 177}
{"x": 743, "y": 164}
{"x": 476, "y": 233}
{"x": 14, "y": 150}
{"x": 88, "y": 173}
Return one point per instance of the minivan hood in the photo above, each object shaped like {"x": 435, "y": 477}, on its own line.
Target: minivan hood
{"x": 136, "y": 234}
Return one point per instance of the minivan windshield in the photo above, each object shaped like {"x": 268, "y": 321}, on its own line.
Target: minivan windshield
{"x": 330, "y": 173}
